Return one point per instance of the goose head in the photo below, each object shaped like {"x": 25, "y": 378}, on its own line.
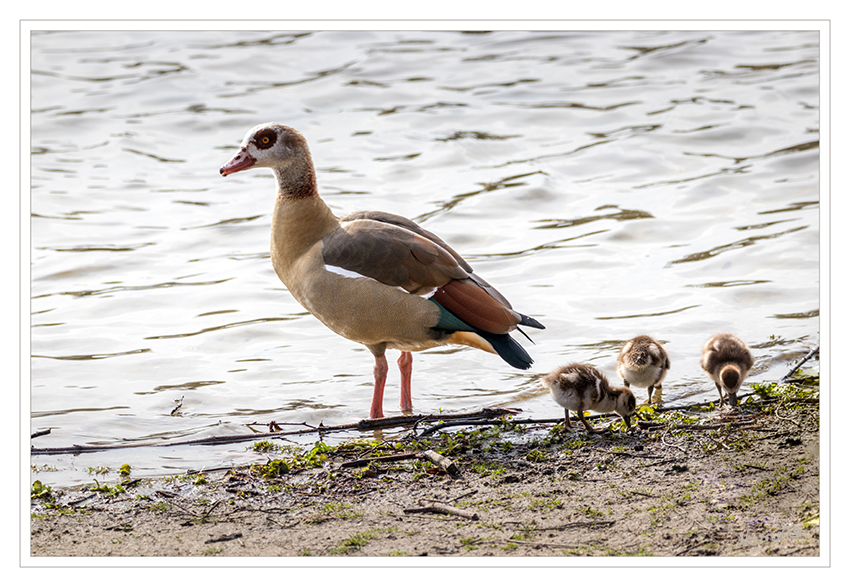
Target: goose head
{"x": 282, "y": 149}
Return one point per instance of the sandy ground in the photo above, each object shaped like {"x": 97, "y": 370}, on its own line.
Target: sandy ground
{"x": 730, "y": 483}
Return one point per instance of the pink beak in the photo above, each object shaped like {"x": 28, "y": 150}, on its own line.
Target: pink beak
{"x": 241, "y": 160}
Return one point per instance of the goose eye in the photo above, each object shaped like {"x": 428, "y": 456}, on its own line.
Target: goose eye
{"x": 265, "y": 139}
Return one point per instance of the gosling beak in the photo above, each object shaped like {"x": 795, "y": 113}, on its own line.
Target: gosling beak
{"x": 733, "y": 398}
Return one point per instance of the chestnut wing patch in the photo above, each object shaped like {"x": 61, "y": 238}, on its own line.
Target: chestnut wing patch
{"x": 472, "y": 304}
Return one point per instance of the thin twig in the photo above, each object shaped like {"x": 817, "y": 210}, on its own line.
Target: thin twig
{"x": 811, "y": 354}
{"x": 697, "y": 545}
{"x": 224, "y": 538}
{"x": 538, "y": 544}
{"x": 630, "y": 454}
{"x": 268, "y": 424}
{"x": 491, "y": 422}
{"x": 659, "y": 463}
{"x": 381, "y": 459}
{"x": 589, "y": 524}
{"x": 792, "y": 420}
{"x": 435, "y": 507}
{"x": 462, "y": 495}
{"x": 665, "y": 443}
{"x": 239, "y": 438}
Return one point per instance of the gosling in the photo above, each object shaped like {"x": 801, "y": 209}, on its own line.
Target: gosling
{"x": 643, "y": 362}
{"x": 582, "y": 387}
{"x": 727, "y": 360}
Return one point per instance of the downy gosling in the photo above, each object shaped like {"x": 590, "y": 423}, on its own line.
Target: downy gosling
{"x": 643, "y": 362}
{"x": 582, "y": 387}
{"x": 727, "y": 360}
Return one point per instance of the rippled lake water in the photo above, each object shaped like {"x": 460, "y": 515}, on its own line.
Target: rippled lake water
{"x": 608, "y": 183}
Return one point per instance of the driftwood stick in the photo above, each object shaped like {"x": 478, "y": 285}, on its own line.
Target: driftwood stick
{"x": 588, "y": 524}
{"x": 462, "y": 495}
{"x": 237, "y": 438}
{"x": 178, "y": 406}
{"x": 444, "y": 463}
{"x": 382, "y": 459}
{"x": 490, "y": 422}
{"x": 224, "y": 538}
{"x": 402, "y": 420}
{"x": 273, "y": 423}
{"x": 624, "y": 453}
{"x": 800, "y": 363}
{"x": 441, "y": 425}
{"x": 673, "y": 445}
{"x": 40, "y": 433}
{"x": 650, "y": 424}
{"x": 659, "y": 463}
{"x": 435, "y": 507}
{"x": 544, "y": 544}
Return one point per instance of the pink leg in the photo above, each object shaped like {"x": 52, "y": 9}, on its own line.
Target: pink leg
{"x": 405, "y": 366}
{"x": 380, "y": 371}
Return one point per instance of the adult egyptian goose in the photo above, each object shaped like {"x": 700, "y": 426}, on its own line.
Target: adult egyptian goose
{"x": 644, "y": 362}
{"x": 579, "y": 388}
{"x": 372, "y": 277}
{"x": 727, "y": 360}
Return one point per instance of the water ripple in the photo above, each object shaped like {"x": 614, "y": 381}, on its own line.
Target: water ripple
{"x": 649, "y": 315}
{"x": 221, "y": 327}
{"x": 739, "y": 244}
{"x": 111, "y": 290}
{"x": 92, "y": 357}
{"x": 620, "y": 215}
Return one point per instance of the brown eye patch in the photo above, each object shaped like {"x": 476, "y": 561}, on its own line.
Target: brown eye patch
{"x": 265, "y": 138}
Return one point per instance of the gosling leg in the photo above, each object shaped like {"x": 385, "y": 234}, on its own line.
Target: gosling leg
{"x": 720, "y": 391}
{"x": 590, "y": 429}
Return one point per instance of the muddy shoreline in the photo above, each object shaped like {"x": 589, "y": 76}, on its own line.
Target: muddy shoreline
{"x": 698, "y": 483}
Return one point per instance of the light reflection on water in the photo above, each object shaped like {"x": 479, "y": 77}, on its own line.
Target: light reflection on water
{"x": 608, "y": 183}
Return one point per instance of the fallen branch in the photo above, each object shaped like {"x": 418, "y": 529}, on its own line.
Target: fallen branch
{"x": 202, "y": 517}
{"x": 543, "y": 544}
{"x": 490, "y": 422}
{"x": 381, "y": 459}
{"x": 589, "y": 524}
{"x": 672, "y": 445}
{"x": 800, "y": 363}
{"x": 659, "y": 463}
{"x": 694, "y": 546}
{"x": 178, "y": 406}
{"x": 239, "y": 438}
{"x": 444, "y": 463}
{"x": 624, "y": 453}
{"x": 224, "y": 538}
{"x": 435, "y": 507}
{"x": 652, "y": 424}
{"x": 462, "y": 495}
